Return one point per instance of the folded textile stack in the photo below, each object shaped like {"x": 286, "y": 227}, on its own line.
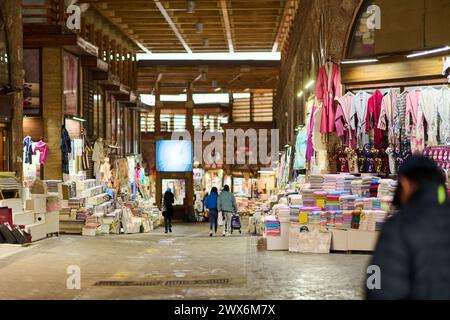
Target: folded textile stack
{"x": 83, "y": 213}
{"x": 320, "y": 197}
{"x": 307, "y": 215}
{"x": 53, "y": 204}
{"x": 331, "y": 218}
{"x": 373, "y": 189}
{"x": 333, "y": 200}
{"x": 356, "y": 218}
{"x": 52, "y": 185}
{"x": 386, "y": 203}
{"x": 359, "y": 203}
{"x": 380, "y": 219}
{"x": 92, "y": 192}
{"x": 295, "y": 199}
{"x": 344, "y": 182}
{"x": 347, "y": 202}
{"x": 91, "y": 222}
{"x": 330, "y": 181}
{"x": 308, "y": 197}
{"x": 367, "y": 221}
{"x": 67, "y": 214}
{"x": 76, "y": 203}
{"x": 317, "y": 181}
{"x": 339, "y": 219}
{"x": 314, "y": 217}
{"x": 387, "y": 188}
{"x": 357, "y": 187}
{"x": 294, "y": 211}
{"x": 98, "y": 199}
{"x": 367, "y": 181}
{"x": 8, "y": 181}
{"x": 272, "y": 226}
{"x": 67, "y": 190}
{"x": 372, "y": 204}
{"x": 282, "y": 212}
{"x": 347, "y": 217}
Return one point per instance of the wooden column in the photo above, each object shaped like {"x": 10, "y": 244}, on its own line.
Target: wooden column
{"x": 12, "y": 12}
{"x": 52, "y": 96}
{"x": 230, "y": 108}
{"x": 190, "y": 110}
{"x": 112, "y": 57}
{"x": 158, "y": 106}
{"x": 252, "y": 107}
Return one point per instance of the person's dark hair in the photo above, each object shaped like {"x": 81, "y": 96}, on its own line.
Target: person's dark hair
{"x": 226, "y": 188}
{"x": 420, "y": 170}
{"x": 214, "y": 190}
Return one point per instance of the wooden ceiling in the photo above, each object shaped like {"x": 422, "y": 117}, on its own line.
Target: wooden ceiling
{"x": 173, "y": 77}
{"x": 228, "y": 25}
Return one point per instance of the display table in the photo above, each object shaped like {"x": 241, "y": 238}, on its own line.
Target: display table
{"x": 353, "y": 240}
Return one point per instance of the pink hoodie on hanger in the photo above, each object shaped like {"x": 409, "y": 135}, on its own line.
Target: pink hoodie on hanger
{"x": 42, "y": 147}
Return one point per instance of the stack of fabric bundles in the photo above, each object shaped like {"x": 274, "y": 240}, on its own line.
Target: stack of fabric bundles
{"x": 357, "y": 188}
{"x": 314, "y": 217}
{"x": 308, "y": 197}
{"x": 320, "y": 197}
{"x": 346, "y": 183}
{"x": 368, "y": 220}
{"x": 359, "y": 203}
{"x": 294, "y": 211}
{"x": 347, "y": 217}
{"x": 372, "y": 204}
{"x": 295, "y": 199}
{"x": 52, "y": 185}
{"x": 347, "y": 202}
{"x": 331, "y": 218}
{"x": 367, "y": 182}
{"x": 283, "y": 213}
{"x": 386, "y": 204}
{"x": 306, "y": 214}
{"x": 83, "y": 213}
{"x": 329, "y": 182}
{"x": 339, "y": 219}
{"x": 387, "y": 188}
{"x": 76, "y": 203}
{"x": 356, "y": 217}
{"x": 333, "y": 200}
{"x": 373, "y": 189}
{"x": 317, "y": 181}
{"x": 380, "y": 219}
{"x": 273, "y": 227}
{"x": 323, "y": 218}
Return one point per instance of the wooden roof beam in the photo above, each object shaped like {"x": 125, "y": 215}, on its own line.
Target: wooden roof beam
{"x": 278, "y": 38}
{"x": 226, "y": 20}
{"x": 172, "y": 25}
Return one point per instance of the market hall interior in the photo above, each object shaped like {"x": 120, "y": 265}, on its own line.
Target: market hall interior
{"x": 305, "y": 109}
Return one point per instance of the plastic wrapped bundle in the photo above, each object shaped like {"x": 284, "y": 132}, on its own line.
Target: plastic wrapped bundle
{"x": 294, "y": 211}
{"x": 320, "y": 197}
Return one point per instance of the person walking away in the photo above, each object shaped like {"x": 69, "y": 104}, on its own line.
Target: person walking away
{"x": 211, "y": 205}
{"x": 168, "y": 202}
{"x": 412, "y": 256}
{"x": 227, "y": 205}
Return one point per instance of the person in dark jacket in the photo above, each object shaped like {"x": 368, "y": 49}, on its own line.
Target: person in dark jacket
{"x": 412, "y": 256}
{"x": 168, "y": 201}
{"x": 211, "y": 205}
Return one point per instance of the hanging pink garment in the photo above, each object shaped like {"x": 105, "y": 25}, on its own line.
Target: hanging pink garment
{"x": 414, "y": 122}
{"x": 309, "y": 144}
{"x": 386, "y": 122}
{"x": 373, "y": 117}
{"x": 42, "y": 147}
{"x": 343, "y": 126}
{"x": 327, "y": 89}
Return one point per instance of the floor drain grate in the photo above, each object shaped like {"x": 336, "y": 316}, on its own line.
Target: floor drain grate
{"x": 170, "y": 283}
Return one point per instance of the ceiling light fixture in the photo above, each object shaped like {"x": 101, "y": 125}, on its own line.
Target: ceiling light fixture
{"x": 199, "y": 27}
{"x": 359, "y": 61}
{"x": 309, "y": 84}
{"x": 300, "y": 94}
{"x": 428, "y": 52}
{"x": 217, "y": 89}
{"x": 79, "y": 119}
{"x": 191, "y": 6}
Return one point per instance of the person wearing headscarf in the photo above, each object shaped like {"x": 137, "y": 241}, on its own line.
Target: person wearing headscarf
{"x": 168, "y": 201}
{"x": 412, "y": 257}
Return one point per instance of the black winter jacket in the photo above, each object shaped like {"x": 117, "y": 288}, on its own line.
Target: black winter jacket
{"x": 413, "y": 251}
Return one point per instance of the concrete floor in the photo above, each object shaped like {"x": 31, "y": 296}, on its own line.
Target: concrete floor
{"x": 187, "y": 264}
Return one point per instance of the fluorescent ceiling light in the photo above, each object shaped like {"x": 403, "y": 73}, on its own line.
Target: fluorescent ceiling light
{"x": 309, "y": 84}
{"x": 424, "y": 53}
{"x": 78, "y": 119}
{"x": 241, "y": 95}
{"x": 300, "y": 94}
{"x": 256, "y": 56}
{"x": 217, "y": 89}
{"x": 199, "y": 98}
{"x": 359, "y": 61}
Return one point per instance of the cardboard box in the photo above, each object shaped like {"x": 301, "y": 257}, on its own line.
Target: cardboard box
{"x": 339, "y": 240}
{"x": 38, "y": 231}
{"x": 23, "y": 218}
{"x": 280, "y": 243}
{"x": 15, "y": 204}
{"x": 52, "y": 221}
{"x": 38, "y": 205}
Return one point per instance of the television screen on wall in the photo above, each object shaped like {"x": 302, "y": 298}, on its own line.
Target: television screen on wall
{"x": 174, "y": 156}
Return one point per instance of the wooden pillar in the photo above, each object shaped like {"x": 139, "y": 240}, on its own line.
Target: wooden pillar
{"x": 12, "y": 12}
{"x": 252, "y": 107}
{"x": 52, "y": 95}
{"x": 112, "y": 57}
{"x": 158, "y": 105}
{"x": 190, "y": 110}
{"x": 230, "y": 108}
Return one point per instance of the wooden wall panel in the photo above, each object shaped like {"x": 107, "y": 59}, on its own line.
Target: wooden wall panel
{"x": 33, "y": 127}
{"x": 52, "y": 79}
